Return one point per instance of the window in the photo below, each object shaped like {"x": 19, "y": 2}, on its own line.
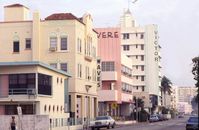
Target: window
{"x": 16, "y": 46}
{"x": 141, "y": 36}
{"x": 136, "y": 77}
{"x": 54, "y": 65}
{"x": 28, "y": 43}
{"x": 136, "y": 34}
{"x": 142, "y": 68}
{"x": 23, "y": 81}
{"x": 142, "y": 88}
{"x": 126, "y": 47}
{"x": 136, "y": 56}
{"x": 137, "y": 87}
{"x": 94, "y": 52}
{"x": 53, "y": 42}
{"x": 64, "y": 43}
{"x": 136, "y": 46}
{"x": 126, "y": 71}
{"x": 108, "y": 66}
{"x": 142, "y": 78}
{"x": 142, "y": 47}
{"x": 126, "y": 36}
{"x": 142, "y": 58}
{"x": 44, "y": 84}
{"x": 136, "y": 66}
{"x": 79, "y": 70}
{"x": 94, "y": 75}
{"x": 79, "y": 45}
{"x": 87, "y": 73}
{"x": 63, "y": 66}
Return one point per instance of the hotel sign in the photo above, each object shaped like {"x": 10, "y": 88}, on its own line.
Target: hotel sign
{"x": 108, "y": 35}
{"x": 156, "y": 46}
{"x": 98, "y": 73}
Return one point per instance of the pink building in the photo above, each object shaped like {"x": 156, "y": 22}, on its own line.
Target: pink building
{"x": 115, "y": 95}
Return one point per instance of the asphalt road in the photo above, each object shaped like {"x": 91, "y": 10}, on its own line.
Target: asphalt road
{"x": 173, "y": 124}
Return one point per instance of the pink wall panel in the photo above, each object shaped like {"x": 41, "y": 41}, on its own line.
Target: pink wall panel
{"x": 109, "y": 49}
{"x": 4, "y": 85}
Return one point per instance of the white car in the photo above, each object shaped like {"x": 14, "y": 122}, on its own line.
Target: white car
{"x": 153, "y": 118}
{"x": 102, "y": 121}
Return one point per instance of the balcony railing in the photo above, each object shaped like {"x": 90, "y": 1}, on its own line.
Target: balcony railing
{"x": 22, "y": 91}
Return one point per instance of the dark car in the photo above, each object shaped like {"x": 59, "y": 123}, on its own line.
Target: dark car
{"x": 192, "y": 123}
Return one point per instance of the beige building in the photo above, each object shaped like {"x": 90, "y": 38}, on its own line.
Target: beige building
{"x": 37, "y": 88}
{"x": 140, "y": 43}
{"x": 182, "y": 98}
{"x": 62, "y": 41}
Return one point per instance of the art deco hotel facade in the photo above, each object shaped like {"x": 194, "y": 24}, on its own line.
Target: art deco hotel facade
{"x": 38, "y": 57}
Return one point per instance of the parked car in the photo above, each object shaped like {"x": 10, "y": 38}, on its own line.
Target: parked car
{"x": 181, "y": 116}
{"x": 102, "y": 121}
{"x": 153, "y": 118}
{"x": 192, "y": 123}
{"x": 161, "y": 117}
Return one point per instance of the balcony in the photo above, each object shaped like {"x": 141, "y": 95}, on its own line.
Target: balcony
{"x": 109, "y": 75}
{"x": 22, "y": 91}
{"x": 107, "y": 95}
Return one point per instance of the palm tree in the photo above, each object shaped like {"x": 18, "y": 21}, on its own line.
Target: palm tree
{"x": 166, "y": 87}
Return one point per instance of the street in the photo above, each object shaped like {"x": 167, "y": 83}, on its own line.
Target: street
{"x": 173, "y": 124}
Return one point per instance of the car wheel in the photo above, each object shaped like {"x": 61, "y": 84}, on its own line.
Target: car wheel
{"x": 108, "y": 127}
{"x": 113, "y": 126}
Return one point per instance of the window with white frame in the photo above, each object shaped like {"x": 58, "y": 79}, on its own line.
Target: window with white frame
{"x": 79, "y": 70}
{"x": 94, "y": 52}
{"x": 87, "y": 75}
{"x": 94, "y": 75}
{"x": 54, "y": 65}
{"x": 28, "y": 43}
{"x": 108, "y": 66}
{"x": 64, "y": 45}
{"x": 79, "y": 45}
{"x": 63, "y": 66}
{"x": 53, "y": 42}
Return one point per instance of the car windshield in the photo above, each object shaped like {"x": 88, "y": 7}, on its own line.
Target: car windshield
{"x": 101, "y": 118}
{"x": 153, "y": 116}
{"x": 193, "y": 119}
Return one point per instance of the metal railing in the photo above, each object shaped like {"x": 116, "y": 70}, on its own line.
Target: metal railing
{"x": 22, "y": 91}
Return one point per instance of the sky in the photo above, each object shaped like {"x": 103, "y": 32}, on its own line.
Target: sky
{"x": 177, "y": 20}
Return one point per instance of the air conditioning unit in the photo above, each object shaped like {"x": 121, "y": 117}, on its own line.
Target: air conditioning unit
{"x": 52, "y": 48}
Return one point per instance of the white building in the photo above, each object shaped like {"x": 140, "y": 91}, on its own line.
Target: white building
{"x": 141, "y": 45}
{"x": 182, "y": 98}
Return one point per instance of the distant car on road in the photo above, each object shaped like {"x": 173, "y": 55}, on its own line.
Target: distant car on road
{"x": 162, "y": 117}
{"x": 192, "y": 123}
{"x": 153, "y": 118}
{"x": 180, "y": 116}
{"x": 102, "y": 121}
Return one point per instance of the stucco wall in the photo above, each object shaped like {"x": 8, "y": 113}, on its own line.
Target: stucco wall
{"x": 29, "y": 122}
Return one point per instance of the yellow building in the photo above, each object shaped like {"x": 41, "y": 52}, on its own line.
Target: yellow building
{"x": 62, "y": 41}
